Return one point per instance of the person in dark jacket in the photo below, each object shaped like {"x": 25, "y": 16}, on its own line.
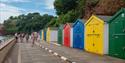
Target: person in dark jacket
{"x": 27, "y": 37}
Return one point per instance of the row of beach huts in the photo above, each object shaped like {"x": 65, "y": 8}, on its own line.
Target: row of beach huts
{"x": 99, "y": 34}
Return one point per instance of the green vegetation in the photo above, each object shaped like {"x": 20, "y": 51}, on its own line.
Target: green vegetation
{"x": 26, "y": 23}
{"x": 69, "y": 10}
{"x": 63, "y": 6}
{"x": 10, "y": 25}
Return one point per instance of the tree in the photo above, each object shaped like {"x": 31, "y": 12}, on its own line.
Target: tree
{"x": 10, "y": 25}
{"x": 63, "y": 6}
{"x": 53, "y": 22}
{"x": 27, "y": 23}
{"x": 80, "y": 8}
{"x": 69, "y": 10}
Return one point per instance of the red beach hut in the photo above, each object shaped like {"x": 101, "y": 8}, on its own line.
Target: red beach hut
{"x": 68, "y": 34}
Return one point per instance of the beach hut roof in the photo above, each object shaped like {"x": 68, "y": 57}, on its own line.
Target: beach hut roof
{"x": 79, "y": 20}
{"x": 70, "y": 24}
{"x": 122, "y": 10}
{"x": 53, "y": 28}
{"x": 61, "y": 26}
{"x": 102, "y": 17}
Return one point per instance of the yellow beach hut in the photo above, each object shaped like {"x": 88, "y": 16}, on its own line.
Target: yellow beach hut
{"x": 42, "y": 35}
{"x": 96, "y": 34}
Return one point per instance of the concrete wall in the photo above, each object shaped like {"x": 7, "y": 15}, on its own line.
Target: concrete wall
{"x": 5, "y": 49}
{"x": 106, "y": 38}
{"x": 71, "y": 37}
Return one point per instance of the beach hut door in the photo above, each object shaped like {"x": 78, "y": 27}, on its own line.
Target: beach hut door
{"x": 119, "y": 38}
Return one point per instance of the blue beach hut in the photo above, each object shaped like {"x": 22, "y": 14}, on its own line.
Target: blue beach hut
{"x": 45, "y": 34}
{"x": 78, "y": 34}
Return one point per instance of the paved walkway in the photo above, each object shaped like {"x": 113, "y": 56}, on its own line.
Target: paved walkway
{"x": 36, "y": 55}
{"x": 80, "y": 56}
{"x": 51, "y": 53}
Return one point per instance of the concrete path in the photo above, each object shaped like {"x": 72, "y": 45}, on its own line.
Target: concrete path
{"x": 80, "y": 56}
{"x": 44, "y": 52}
{"x": 25, "y": 53}
{"x": 35, "y": 54}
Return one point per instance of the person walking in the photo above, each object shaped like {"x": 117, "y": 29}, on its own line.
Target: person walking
{"x": 21, "y": 37}
{"x": 27, "y": 37}
{"x": 16, "y": 36}
{"x": 0, "y": 42}
{"x": 34, "y": 36}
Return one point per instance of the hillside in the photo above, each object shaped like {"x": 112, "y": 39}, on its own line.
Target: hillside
{"x": 103, "y": 7}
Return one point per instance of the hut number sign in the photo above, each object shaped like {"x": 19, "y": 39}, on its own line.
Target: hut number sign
{"x": 123, "y": 15}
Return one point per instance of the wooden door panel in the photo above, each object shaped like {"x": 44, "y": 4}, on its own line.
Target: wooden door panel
{"x": 89, "y": 37}
{"x": 98, "y": 37}
{"x": 118, "y": 38}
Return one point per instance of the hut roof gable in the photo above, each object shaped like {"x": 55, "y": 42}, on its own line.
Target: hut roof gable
{"x": 117, "y": 14}
{"x": 61, "y": 26}
{"x": 70, "y": 24}
{"x": 101, "y": 18}
{"x": 53, "y": 28}
{"x": 78, "y": 20}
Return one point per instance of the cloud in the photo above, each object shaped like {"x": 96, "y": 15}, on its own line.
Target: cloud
{"x": 49, "y": 4}
{"x": 7, "y": 10}
{"x": 12, "y": 8}
{"x": 8, "y": 1}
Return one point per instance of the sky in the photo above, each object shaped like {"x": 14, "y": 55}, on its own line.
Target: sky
{"x": 16, "y": 7}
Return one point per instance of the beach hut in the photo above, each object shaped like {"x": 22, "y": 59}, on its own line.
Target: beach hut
{"x": 60, "y": 34}
{"x": 96, "y": 34}
{"x": 52, "y": 33}
{"x": 117, "y": 34}
{"x": 68, "y": 34}
{"x": 40, "y": 34}
{"x": 78, "y": 34}
{"x": 44, "y": 34}
{"x": 48, "y": 35}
